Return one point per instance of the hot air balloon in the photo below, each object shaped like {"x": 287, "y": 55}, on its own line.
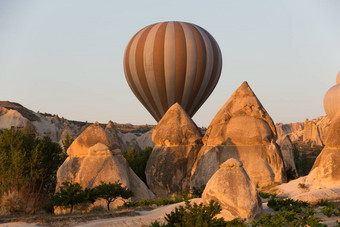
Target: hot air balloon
{"x": 331, "y": 102}
{"x": 171, "y": 62}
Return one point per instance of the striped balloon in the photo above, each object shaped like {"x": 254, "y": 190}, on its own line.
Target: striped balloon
{"x": 172, "y": 62}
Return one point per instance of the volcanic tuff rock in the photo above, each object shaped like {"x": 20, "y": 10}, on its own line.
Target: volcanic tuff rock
{"x": 92, "y": 135}
{"x": 94, "y": 157}
{"x": 326, "y": 169}
{"x": 177, "y": 140}
{"x": 176, "y": 128}
{"x": 309, "y": 133}
{"x": 43, "y": 124}
{"x": 242, "y": 129}
{"x": 287, "y": 150}
{"x": 231, "y": 187}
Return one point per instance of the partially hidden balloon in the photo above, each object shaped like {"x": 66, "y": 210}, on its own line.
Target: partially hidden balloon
{"x": 172, "y": 62}
{"x": 331, "y": 102}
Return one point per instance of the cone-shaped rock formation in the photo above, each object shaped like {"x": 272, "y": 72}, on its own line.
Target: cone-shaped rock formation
{"x": 91, "y": 136}
{"x": 242, "y": 129}
{"x": 94, "y": 157}
{"x": 177, "y": 140}
{"x": 176, "y": 128}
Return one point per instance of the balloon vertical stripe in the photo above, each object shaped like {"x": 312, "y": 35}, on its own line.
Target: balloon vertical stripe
{"x": 158, "y": 66}
{"x": 181, "y": 61}
{"x": 171, "y": 62}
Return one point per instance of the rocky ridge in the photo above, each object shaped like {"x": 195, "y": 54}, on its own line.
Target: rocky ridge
{"x": 14, "y": 115}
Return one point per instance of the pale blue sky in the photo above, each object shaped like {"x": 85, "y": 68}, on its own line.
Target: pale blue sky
{"x": 65, "y": 57}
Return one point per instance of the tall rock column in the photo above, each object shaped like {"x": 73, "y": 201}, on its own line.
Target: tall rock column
{"x": 242, "y": 129}
{"x": 177, "y": 142}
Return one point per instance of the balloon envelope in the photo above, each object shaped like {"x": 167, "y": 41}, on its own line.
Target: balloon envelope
{"x": 171, "y": 62}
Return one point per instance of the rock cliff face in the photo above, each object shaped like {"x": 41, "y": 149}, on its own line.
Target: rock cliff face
{"x": 231, "y": 187}
{"x": 94, "y": 157}
{"x": 177, "y": 140}
{"x": 243, "y": 130}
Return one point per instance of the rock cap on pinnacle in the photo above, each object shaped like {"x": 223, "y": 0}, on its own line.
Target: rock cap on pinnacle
{"x": 91, "y": 136}
{"x": 241, "y": 121}
{"x": 176, "y": 128}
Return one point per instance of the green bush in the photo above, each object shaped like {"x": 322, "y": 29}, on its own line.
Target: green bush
{"x": 287, "y": 204}
{"x": 328, "y": 211}
{"x": 291, "y": 174}
{"x": 323, "y": 202}
{"x": 197, "y": 191}
{"x": 287, "y": 218}
{"x": 197, "y": 215}
{"x": 266, "y": 195}
{"x": 137, "y": 161}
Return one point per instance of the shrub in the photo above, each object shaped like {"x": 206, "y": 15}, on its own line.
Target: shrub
{"x": 194, "y": 215}
{"x": 198, "y": 191}
{"x": 288, "y": 218}
{"x": 266, "y": 195}
{"x": 291, "y": 174}
{"x": 287, "y": 204}
{"x": 137, "y": 161}
{"x": 328, "y": 211}
{"x": 323, "y": 202}
{"x": 303, "y": 186}
{"x": 112, "y": 191}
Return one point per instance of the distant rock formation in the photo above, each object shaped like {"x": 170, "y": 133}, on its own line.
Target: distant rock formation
{"x": 177, "y": 140}
{"x": 243, "y": 130}
{"x": 14, "y": 115}
{"x": 231, "y": 187}
{"x": 323, "y": 181}
{"x": 326, "y": 169}
{"x": 94, "y": 157}
{"x": 287, "y": 150}
{"x": 309, "y": 133}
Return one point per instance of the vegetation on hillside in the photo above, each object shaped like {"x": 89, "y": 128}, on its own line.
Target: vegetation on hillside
{"x": 137, "y": 161}
{"x": 28, "y": 167}
{"x": 304, "y": 159}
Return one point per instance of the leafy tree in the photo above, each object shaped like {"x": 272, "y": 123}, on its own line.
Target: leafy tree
{"x": 28, "y": 164}
{"x": 112, "y": 191}
{"x": 70, "y": 194}
{"x": 137, "y": 161}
